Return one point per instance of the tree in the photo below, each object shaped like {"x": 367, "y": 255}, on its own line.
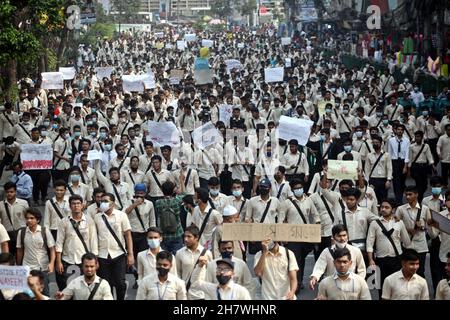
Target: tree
{"x": 247, "y": 8}
{"x": 222, "y": 8}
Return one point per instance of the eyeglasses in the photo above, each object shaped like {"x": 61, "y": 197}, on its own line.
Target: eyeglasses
{"x": 221, "y": 270}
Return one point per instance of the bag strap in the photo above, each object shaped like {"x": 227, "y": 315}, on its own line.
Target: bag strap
{"x": 124, "y": 128}
{"x": 70, "y": 190}
{"x": 298, "y": 162}
{"x": 280, "y": 190}
{"x": 389, "y": 236}
{"x": 62, "y": 155}
{"x": 8, "y": 213}
{"x": 265, "y": 211}
{"x": 55, "y": 207}
{"x": 117, "y": 195}
{"x": 22, "y": 240}
{"x": 77, "y": 231}
{"x": 325, "y": 202}
{"x": 124, "y": 159}
{"x": 138, "y": 214}
{"x": 188, "y": 283}
{"x": 299, "y": 211}
{"x": 418, "y": 155}
{"x": 204, "y": 223}
{"x": 131, "y": 177}
{"x": 375, "y": 164}
{"x": 242, "y": 205}
{"x": 156, "y": 180}
{"x": 82, "y": 177}
{"x": 25, "y": 130}
{"x": 344, "y": 218}
{"x": 187, "y": 178}
{"x": 239, "y": 159}
{"x": 393, "y": 113}
{"x": 148, "y": 167}
{"x": 94, "y": 290}
{"x": 113, "y": 234}
{"x": 345, "y": 122}
{"x": 211, "y": 203}
{"x": 9, "y": 120}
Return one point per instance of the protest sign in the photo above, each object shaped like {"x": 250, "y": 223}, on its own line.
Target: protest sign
{"x": 176, "y": 76}
{"x": 104, "y": 72}
{"x": 169, "y": 46}
{"x": 342, "y": 169}
{"x": 225, "y": 113}
{"x": 14, "y": 277}
{"x": 233, "y": 64}
{"x": 138, "y": 83}
{"x": 207, "y": 43}
{"x": 159, "y": 34}
{"x": 241, "y": 45}
{"x": 163, "y": 133}
{"x": 288, "y": 62}
{"x": 68, "y": 72}
{"x": 292, "y": 128}
{"x": 321, "y": 106}
{"x": 276, "y": 231}
{"x": 94, "y": 155}
{"x": 273, "y": 74}
{"x": 181, "y": 45}
{"x": 36, "y": 156}
{"x": 442, "y": 221}
{"x": 52, "y": 80}
{"x": 203, "y": 76}
{"x": 206, "y": 135}
{"x": 286, "y": 41}
{"x": 190, "y": 37}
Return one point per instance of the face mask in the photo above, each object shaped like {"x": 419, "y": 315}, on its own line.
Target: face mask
{"x": 104, "y": 206}
{"x": 333, "y": 90}
{"x": 376, "y": 147}
{"x": 94, "y": 120}
{"x": 94, "y": 109}
{"x": 425, "y": 113}
{"x": 341, "y": 245}
{"x": 55, "y": 126}
{"x": 223, "y": 279}
{"x": 77, "y": 134}
{"x": 25, "y": 122}
{"x": 343, "y": 273}
{"x": 89, "y": 122}
{"x": 93, "y": 134}
{"x": 269, "y": 154}
{"x": 416, "y": 89}
{"x": 328, "y": 111}
{"x": 345, "y": 111}
{"x": 153, "y": 243}
{"x": 385, "y": 122}
{"x": 226, "y": 254}
{"x": 108, "y": 147}
{"x": 359, "y": 134}
{"x": 298, "y": 192}
{"x": 347, "y": 148}
{"x": 264, "y": 191}
{"x": 67, "y": 135}
{"x": 44, "y": 133}
{"x": 379, "y": 114}
{"x": 436, "y": 190}
{"x": 214, "y": 192}
{"x": 237, "y": 193}
{"x": 75, "y": 178}
{"x": 323, "y": 137}
{"x": 162, "y": 271}
{"x": 46, "y": 123}
{"x": 103, "y": 135}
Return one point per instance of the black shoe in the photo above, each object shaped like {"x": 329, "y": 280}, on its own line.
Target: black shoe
{"x": 135, "y": 285}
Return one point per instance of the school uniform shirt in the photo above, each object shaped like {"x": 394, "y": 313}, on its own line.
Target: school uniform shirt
{"x": 162, "y": 176}
{"x": 107, "y": 245}
{"x": 81, "y": 190}
{"x": 357, "y": 224}
{"x": 275, "y": 279}
{"x": 123, "y": 164}
{"x": 190, "y": 182}
{"x": 326, "y": 218}
{"x": 35, "y": 254}
{"x": 147, "y": 213}
{"x": 299, "y": 160}
{"x": 352, "y": 288}
{"x": 214, "y": 220}
{"x": 7, "y": 123}
{"x": 205, "y": 159}
{"x": 146, "y": 264}
{"x": 368, "y": 199}
{"x": 290, "y": 214}
{"x": 51, "y": 217}
{"x": 429, "y": 131}
{"x": 252, "y": 123}
{"x": 393, "y": 144}
{"x": 256, "y": 207}
{"x": 240, "y": 205}
{"x": 408, "y": 215}
{"x": 324, "y": 265}
{"x": 377, "y": 239}
{"x": 383, "y": 168}
{"x": 363, "y": 146}
{"x": 266, "y": 168}
{"x": 425, "y": 156}
{"x": 242, "y": 275}
{"x": 186, "y": 260}
{"x": 91, "y": 210}
{"x": 4, "y": 237}
{"x": 443, "y": 290}
{"x": 69, "y": 244}
{"x": 345, "y": 123}
{"x": 443, "y": 148}
{"x": 145, "y": 162}
{"x": 240, "y": 156}
{"x": 393, "y": 111}
{"x": 445, "y": 240}
{"x": 63, "y": 148}
{"x": 132, "y": 178}
{"x": 151, "y": 288}
{"x": 17, "y": 213}
{"x": 22, "y": 132}
{"x": 78, "y": 289}
{"x": 90, "y": 178}
{"x": 396, "y": 287}
{"x": 124, "y": 192}
{"x": 281, "y": 191}
{"x": 219, "y": 202}
{"x": 186, "y": 122}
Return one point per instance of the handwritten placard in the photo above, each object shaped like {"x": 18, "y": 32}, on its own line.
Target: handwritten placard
{"x": 342, "y": 169}
{"x": 14, "y": 277}
{"x": 36, "y": 156}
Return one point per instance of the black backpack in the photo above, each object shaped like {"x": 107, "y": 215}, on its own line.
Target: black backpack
{"x": 168, "y": 221}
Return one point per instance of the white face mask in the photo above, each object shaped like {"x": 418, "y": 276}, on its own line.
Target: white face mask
{"x": 341, "y": 245}
{"x": 104, "y": 206}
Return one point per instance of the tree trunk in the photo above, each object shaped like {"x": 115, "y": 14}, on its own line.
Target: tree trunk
{"x": 11, "y": 76}
{"x": 61, "y": 47}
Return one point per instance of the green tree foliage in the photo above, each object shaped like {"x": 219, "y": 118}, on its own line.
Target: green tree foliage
{"x": 221, "y": 8}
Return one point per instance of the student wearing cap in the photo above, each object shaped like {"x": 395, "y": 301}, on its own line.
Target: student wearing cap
{"x": 295, "y": 162}
{"x": 226, "y": 289}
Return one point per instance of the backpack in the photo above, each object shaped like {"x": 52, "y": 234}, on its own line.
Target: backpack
{"x": 168, "y": 221}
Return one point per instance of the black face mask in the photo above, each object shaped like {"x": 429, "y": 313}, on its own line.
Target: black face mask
{"x": 223, "y": 279}
{"x": 226, "y": 254}
{"x": 162, "y": 271}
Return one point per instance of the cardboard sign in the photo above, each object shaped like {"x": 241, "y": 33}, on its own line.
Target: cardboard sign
{"x": 321, "y": 106}
{"x": 288, "y": 62}
{"x": 274, "y": 74}
{"x": 176, "y": 76}
{"x": 292, "y": 128}
{"x": 342, "y": 169}
{"x": 14, "y": 277}
{"x": 138, "y": 83}
{"x": 443, "y": 221}
{"x": 52, "y": 80}
{"x": 104, "y": 72}
{"x": 68, "y": 72}
{"x": 233, "y": 64}
{"x": 206, "y": 135}
{"x": 163, "y": 133}
{"x": 36, "y": 156}
{"x": 276, "y": 231}
{"x": 241, "y": 45}
{"x": 94, "y": 155}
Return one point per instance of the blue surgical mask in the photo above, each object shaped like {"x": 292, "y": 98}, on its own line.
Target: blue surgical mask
{"x": 55, "y": 126}
{"x": 237, "y": 193}
{"x": 347, "y": 148}
{"x": 214, "y": 192}
{"x": 323, "y": 137}
{"x": 345, "y": 111}
{"x": 436, "y": 190}
{"x": 328, "y": 111}
{"x": 153, "y": 243}
{"x": 93, "y": 133}
{"x": 359, "y": 134}
{"x": 89, "y": 122}
{"x": 425, "y": 113}
{"x": 46, "y": 123}
{"x": 103, "y": 135}
{"x": 385, "y": 122}
{"x": 343, "y": 273}
{"x": 298, "y": 192}
{"x": 75, "y": 178}
{"x": 108, "y": 147}
{"x": 94, "y": 109}
{"x": 269, "y": 154}
{"x": 379, "y": 114}
{"x": 77, "y": 134}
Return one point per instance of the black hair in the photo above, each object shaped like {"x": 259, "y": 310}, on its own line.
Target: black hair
{"x": 35, "y": 213}
{"x": 412, "y": 188}
{"x": 435, "y": 180}
{"x": 194, "y": 230}
{"x": 213, "y": 181}
{"x": 391, "y": 202}
{"x": 88, "y": 256}
{"x": 110, "y": 196}
{"x": 352, "y": 192}
{"x": 75, "y": 197}
{"x": 167, "y": 188}
{"x": 342, "y": 252}
{"x": 338, "y": 229}
{"x": 295, "y": 182}
{"x": 155, "y": 230}
{"x": 10, "y": 185}
{"x": 156, "y": 157}
{"x": 202, "y": 194}
{"x": 410, "y": 255}
{"x": 164, "y": 255}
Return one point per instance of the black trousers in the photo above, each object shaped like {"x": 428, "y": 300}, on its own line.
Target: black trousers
{"x": 422, "y": 260}
{"x": 433, "y": 144}
{"x": 12, "y": 242}
{"x": 387, "y": 265}
{"x": 301, "y": 251}
{"x": 379, "y": 186}
{"x": 419, "y": 172}
{"x": 225, "y": 182}
{"x": 318, "y": 248}
{"x": 113, "y": 271}
{"x": 139, "y": 242}
{"x": 247, "y": 192}
{"x": 60, "y": 175}
{"x": 435, "y": 262}
{"x": 41, "y": 180}
{"x": 61, "y": 279}
{"x": 445, "y": 168}
{"x": 398, "y": 179}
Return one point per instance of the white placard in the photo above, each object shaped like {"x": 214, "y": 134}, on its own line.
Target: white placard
{"x": 181, "y": 45}
{"x": 274, "y": 74}
{"x": 190, "y": 37}
{"x": 286, "y": 41}
{"x": 225, "y": 113}
{"x": 169, "y": 46}
{"x": 94, "y": 155}
{"x": 241, "y": 45}
{"x": 52, "y": 80}
{"x": 203, "y": 76}
{"x": 138, "y": 83}
{"x": 104, "y": 72}
{"x": 207, "y": 43}
{"x": 68, "y": 72}
{"x": 14, "y": 277}
{"x": 292, "y": 128}
{"x": 159, "y": 34}
{"x": 288, "y": 62}
{"x": 163, "y": 133}
{"x": 233, "y": 64}
{"x": 206, "y": 135}
{"x": 36, "y": 156}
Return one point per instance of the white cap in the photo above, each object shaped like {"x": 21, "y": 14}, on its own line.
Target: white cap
{"x": 229, "y": 210}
